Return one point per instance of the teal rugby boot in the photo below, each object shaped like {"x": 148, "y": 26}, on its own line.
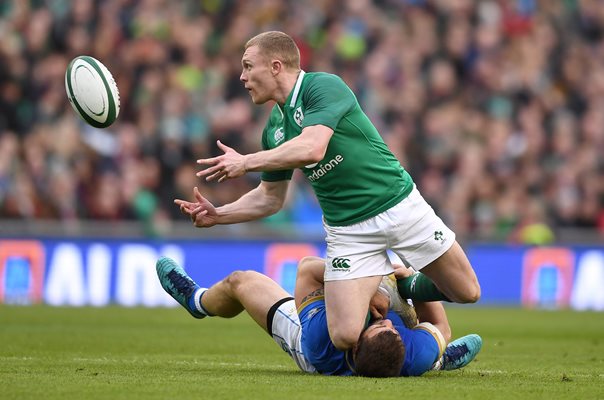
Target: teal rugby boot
{"x": 180, "y": 286}
{"x": 461, "y": 352}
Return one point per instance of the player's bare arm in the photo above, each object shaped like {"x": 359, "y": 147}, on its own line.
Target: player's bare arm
{"x": 266, "y": 199}
{"x": 434, "y": 312}
{"x": 307, "y": 148}
{"x": 313, "y": 294}
{"x": 309, "y": 278}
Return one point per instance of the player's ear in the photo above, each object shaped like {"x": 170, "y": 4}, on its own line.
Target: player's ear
{"x": 276, "y": 67}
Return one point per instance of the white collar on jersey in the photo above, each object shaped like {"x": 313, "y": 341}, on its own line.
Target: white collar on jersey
{"x": 297, "y": 88}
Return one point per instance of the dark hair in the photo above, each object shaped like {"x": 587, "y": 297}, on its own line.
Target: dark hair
{"x": 380, "y": 356}
{"x": 275, "y": 44}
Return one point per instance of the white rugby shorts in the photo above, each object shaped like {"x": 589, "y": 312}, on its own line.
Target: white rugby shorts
{"x": 411, "y": 229}
{"x": 283, "y": 324}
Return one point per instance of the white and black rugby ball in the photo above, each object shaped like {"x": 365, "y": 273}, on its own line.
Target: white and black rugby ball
{"x": 92, "y": 91}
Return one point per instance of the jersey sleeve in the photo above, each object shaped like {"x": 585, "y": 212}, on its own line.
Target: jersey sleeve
{"x": 428, "y": 347}
{"x": 316, "y": 343}
{"x": 326, "y": 101}
{"x": 435, "y": 332}
{"x": 273, "y": 176}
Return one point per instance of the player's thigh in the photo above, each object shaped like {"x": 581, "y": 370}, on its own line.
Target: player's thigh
{"x": 257, "y": 293}
{"x": 454, "y": 275}
{"x": 420, "y": 237}
{"x": 356, "y": 251}
{"x": 347, "y": 303}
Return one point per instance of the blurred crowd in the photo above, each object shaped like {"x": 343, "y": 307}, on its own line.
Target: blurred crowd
{"x": 496, "y": 107}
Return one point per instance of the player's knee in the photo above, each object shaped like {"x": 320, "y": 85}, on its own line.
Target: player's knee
{"x": 471, "y": 294}
{"x": 344, "y": 339}
{"x": 474, "y": 293}
{"x": 236, "y": 279}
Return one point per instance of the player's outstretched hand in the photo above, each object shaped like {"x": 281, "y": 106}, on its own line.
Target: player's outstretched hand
{"x": 202, "y": 213}
{"x": 227, "y": 166}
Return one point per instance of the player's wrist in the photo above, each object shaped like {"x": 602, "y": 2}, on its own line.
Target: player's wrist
{"x": 251, "y": 162}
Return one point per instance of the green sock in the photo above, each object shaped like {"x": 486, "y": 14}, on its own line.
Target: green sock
{"x": 367, "y": 319}
{"x": 419, "y": 287}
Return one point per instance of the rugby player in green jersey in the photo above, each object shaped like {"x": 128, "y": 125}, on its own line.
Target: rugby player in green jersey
{"x": 369, "y": 202}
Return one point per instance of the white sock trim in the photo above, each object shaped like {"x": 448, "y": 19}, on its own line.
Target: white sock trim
{"x": 197, "y": 300}
{"x": 438, "y": 365}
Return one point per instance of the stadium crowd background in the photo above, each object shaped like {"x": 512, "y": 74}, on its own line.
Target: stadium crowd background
{"x": 495, "y": 107}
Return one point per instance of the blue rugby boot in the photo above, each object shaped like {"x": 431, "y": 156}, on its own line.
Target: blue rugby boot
{"x": 461, "y": 352}
{"x": 180, "y": 286}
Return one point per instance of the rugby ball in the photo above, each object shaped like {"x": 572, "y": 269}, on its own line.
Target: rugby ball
{"x": 92, "y": 91}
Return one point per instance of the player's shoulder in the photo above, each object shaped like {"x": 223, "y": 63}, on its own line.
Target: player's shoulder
{"x": 322, "y": 79}
{"x": 424, "y": 345}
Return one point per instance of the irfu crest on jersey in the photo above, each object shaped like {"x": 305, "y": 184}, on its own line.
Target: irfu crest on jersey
{"x": 279, "y": 135}
{"x": 298, "y": 116}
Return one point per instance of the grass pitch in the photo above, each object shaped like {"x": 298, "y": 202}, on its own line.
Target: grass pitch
{"x": 121, "y": 353}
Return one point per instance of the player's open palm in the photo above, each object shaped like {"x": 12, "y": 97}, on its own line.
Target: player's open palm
{"x": 202, "y": 213}
{"x": 227, "y": 166}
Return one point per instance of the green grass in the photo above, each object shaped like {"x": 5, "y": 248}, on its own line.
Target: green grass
{"x": 120, "y": 353}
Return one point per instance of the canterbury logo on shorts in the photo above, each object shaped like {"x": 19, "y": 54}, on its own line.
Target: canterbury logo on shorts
{"x": 339, "y": 263}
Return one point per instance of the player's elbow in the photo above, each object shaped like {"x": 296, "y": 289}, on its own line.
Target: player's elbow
{"x": 315, "y": 153}
{"x": 311, "y": 151}
{"x": 310, "y": 267}
{"x": 273, "y": 205}
{"x": 309, "y": 262}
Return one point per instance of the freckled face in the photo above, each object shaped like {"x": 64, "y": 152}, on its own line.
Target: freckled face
{"x": 257, "y": 76}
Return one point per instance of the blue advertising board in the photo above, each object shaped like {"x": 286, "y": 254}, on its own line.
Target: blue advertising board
{"x": 101, "y": 272}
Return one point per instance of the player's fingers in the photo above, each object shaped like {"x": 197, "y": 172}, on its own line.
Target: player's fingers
{"x": 209, "y": 161}
{"x": 198, "y": 195}
{"x": 195, "y": 212}
{"x": 197, "y": 215}
{"x": 223, "y": 146}
{"x": 185, "y": 203}
{"x": 209, "y": 171}
{"x": 185, "y": 208}
{"x": 218, "y": 175}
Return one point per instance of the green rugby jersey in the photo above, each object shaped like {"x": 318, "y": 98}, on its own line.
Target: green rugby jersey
{"x": 359, "y": 177}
